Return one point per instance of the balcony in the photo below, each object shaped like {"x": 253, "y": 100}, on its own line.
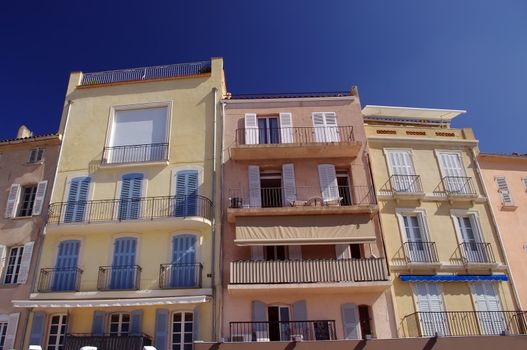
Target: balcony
{"x": 151, "y": 212}
{"x": 458, "y": 188}
{"x": 406, "y": 187}
{"x": 173, "y": 276}
{"x": 282, "y": 331}
{"x": 131, "y": 154}
{"x": 329, "y": 274}
{"x": 106, "y": 342}
{"x": 59, "y": 280}
{"x": 119, "y": 277}
{"x": 465, "y": 323}
{"x": 295, "y": 142}
{"x": 475, "y": 254}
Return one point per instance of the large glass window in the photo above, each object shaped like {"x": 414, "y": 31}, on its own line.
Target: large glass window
{"x": 182, "y": 328}
{"x": 57, "y": 332}
{"x": 3, "y": 331}
{"x": 13, "y": 265}
{"x": 119, "y": 324}
{"x": 27, "y": 201}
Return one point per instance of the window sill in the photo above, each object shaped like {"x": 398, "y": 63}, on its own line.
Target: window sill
{"x": 9, "y": 285}
{"x": 40, "y": 162}
{"x": 137, "y": 164}
{"x": 23, "y": 217}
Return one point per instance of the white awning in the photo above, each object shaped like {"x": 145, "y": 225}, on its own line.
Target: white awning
{"x": 112, "y": 302}
{"x": 411, "y": 113}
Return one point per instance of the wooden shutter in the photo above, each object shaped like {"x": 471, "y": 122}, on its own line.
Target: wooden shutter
{"x": 3, "y": 253}
{"x": 10, "y": 336}
{"x": 161, "y": 332}
{"x": 196, "y": 324}
{"x": 257, "y": 253}
{"x": 506, "y": 197}
{"x": 12, "y": 201}
{"x": 37, "y": 328}
{"x": 288, "y": 179}
{"x": 259, "y": 311}
{"x": 186, "y": 193}
{"x": 98, "y": 323}
{"x": 39, "y": 197}
{"x": 25, "y": 262}
{"x": 343, "y": 251}
{"x": 350, "y": 321}
{"x": 136, "y": 322}
{"x": 328, "y": 182}
{"x": 295, "y": 252}
{"x": 320, "y": 127}
{"x": 131, "y": 192}
{"x": 251, "y": 129}
{"x": 300, "y": 310}
{"x": 332, "y": 131}
{"x": 286, "y": 128}
{"x": 77, "y": 197}
{"x": 255, "y": 195}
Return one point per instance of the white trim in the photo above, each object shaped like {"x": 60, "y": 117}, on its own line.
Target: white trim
{"x": 400, "y": 212}
{"x": 112, "y": 302}
{"x": 437, "y": 153}
{"x": 387, "y": 150}
{"x": 456, "y": 213}
{"x": 4, "y": 317}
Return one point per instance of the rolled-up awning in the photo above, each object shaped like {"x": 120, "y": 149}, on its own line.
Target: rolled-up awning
{"x": 309, "y": 229}
{"x": 453, "y": 278}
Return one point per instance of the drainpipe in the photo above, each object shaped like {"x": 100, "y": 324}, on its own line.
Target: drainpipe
{"x": 497, "y": 228}
{"x": 213, "y": 235}
{"x": 221, "y": 216}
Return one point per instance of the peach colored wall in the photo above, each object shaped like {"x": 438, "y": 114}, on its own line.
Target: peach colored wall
{"x": 512, "y": 222}
{"x": 15, "y": 232}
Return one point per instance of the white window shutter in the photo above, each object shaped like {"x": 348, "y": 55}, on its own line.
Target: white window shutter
{"x": 343, "y": 251}
{"x": 25, "y": 263}
{"x": 10, "y": 336}
{"x": 39, "y": 197}
{"x": 255, "y": 195}
{"x": 251, "y": 129}
{"x": 350, "y": 321}
{"x": 332, "y": 131}
{"x": 320, "y": 127}
{"x": 12, "y": 201}
{"x": 257, "y": 253}
{"x": 295, "y": 252}
{"x": 328, "y": 182}
{"x": 286, "y": 128}
{"x": 503, "y": 188}
{"x": 288, "y": 179}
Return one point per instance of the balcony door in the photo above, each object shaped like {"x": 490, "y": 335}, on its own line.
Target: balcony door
{"x": 183, "y": 273}
{"x": 131, "y": 192}
{"x": 431, "y": 312}
{"x": 326, "y": 129}
{"x": 123, "y": 266}
{"x": 402, "y": 171}
{"x": 65, "y": 275}
{"x": 416, "y": 238}
{"x": 268, "y": 130}
{"x": 488, "y": 305}
{"x": 473, "y": 249}
{"x": 452, "y": 168}
{"x": 77, "y": 197}
{"x": 186, "y": 193}
{"x": 271, "y": 189}
{"x": 279, "y": 318}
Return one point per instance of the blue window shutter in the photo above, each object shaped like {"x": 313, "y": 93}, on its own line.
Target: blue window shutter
{"x": 183, "y": 261}
{"x": 77, "y": 197}
{"x": 136, "y": 322}
{"x": 259, "y": 311}
{"x": 123, "y": 265}
{"x": 66, "y": 275}
{"x": 186, "y": 193}
{"x": 131, "y": 191}
{"x": 161, "y": 333}
{"x": 300, "y": 315}
{"x": 37, "y": 328}
{"x": 195, "y": 325}
{"x": 98, "y": 323}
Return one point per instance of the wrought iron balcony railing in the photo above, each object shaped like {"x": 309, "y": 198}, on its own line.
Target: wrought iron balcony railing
{"x": 146, "y": 73}
{"x": 308, "y": 271}
{"x": 119, "y": 277}
{"x": 275, "y": 197}
{"x": 465, "y": 323}
{"x": 106, "y": 342}
{"x": 298, "y": 135}
{"x": 154, "y": 152}
{"x": 282, "y": 331}
{"x": 477, "y": 252}
{"x": 420, "y": 252}
{"x": 459, "y": 186}
{"x": 144, "y": 208}
{"x": 406, "y": 184}
{"x": 59, "y": 280}
{"x": 180, "y": 276}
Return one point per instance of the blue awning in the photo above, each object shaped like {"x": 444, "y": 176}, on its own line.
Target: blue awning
{"x": 453, "y": 278}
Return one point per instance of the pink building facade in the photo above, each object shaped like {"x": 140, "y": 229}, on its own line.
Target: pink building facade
{"x": 302, "y": 250}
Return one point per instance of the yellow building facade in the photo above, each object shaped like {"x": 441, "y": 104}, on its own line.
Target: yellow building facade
{"x": 129, "y": 244}
{"x": 447, "y": 265}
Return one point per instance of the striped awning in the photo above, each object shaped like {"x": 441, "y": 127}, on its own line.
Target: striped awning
{"x": 453, "y": 278}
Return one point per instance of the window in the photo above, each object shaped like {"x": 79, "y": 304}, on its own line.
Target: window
{"x": 473, "y": 248}
{"x": 344, "y": 188}
{"x": 138, "y": 135}
{"x": 35, "y": 155}
{"x": 503, "y": 188}
{"x": 276, "y": 252}
{"x": 430, "y": 305}
{"x": 3, "y": 331}
{"x": 365, "y": 321}
{"x": 182, "y": 330}
{"x": 401, "y": 166}
{"x": 279, "y": 327}
{"x": 268, "y": 130}
{"x": 326, "y": 129}
{"x": 27, "y": 201}
{"x": 13, "y": 265}
{"x": 124, "y": 272}
{"x": 57, "y": 332}
{"x": 271, "y": 189}
{"x": 119, "y": 324}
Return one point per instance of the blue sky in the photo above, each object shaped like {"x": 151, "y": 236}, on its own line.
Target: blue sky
{"x": 469, "y": 54}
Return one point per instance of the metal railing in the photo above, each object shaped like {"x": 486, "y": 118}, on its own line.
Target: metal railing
{"x": 284, "y": 135}
{"x": 144, "y": 208}
{"x": 180, "y": 276}
{"x": 119, "y": 277}
{"x": 106, "y": 342}
{"x": 282, "y": 331}
{"x": 59, "y": 280}
{"x": 145, "y": 73}
{"x": 274, "y": 197}
{"x": 420, "y": 252}
{"x": 458, "y": 186}
{"x": 135, "y": 153}
{"x": 406, "y": 183}
{"x": 477, "y": 252}
{"x": 465, "y": 323}
{"x": 308, "y": 271}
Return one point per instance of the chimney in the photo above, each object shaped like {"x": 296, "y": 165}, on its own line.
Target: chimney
{"x": 23, "y": 132}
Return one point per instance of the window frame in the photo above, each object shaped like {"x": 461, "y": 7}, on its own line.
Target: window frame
{"x": 31, "y": 202}
{"x": 119, "y": 323}
{"x": 58, "y": 335}
{"x": 38, "y": 155}
{"x": 3, "y": 332}
{"x": 182, "y": 343}
{"x": 420, "y": 213}
{"x": 455, "y": 214}
{"x": 17, "y": 266}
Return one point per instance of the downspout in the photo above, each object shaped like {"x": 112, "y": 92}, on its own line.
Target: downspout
{"x": 221, "y": 216}
{"x": 213, "y": 233}
{"x": 42, "y": 232}
{"x": 497, "y": 228}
